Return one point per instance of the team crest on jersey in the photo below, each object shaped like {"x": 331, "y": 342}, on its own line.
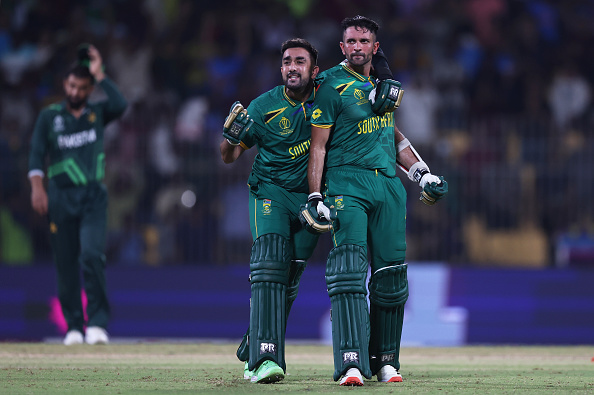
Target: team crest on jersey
{"x": 339, "y": 202}
{"x": 53, "y": 228}
{"x": 285, "y": 125}
{"x": 92, "y": 117}
{"x": 58, "y": 123}
{"x": 266, "y": 206}
{"x": 360, "y": 96}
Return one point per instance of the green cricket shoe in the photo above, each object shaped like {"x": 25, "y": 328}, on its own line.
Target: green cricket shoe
{"x": 247, "y": 373}
{"x": 267, "y": 372}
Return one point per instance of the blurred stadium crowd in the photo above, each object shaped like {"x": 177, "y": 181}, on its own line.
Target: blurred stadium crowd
{"x": 498, "y": 99}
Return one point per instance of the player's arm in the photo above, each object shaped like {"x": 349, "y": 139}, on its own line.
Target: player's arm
{"x": 434, "y": 187}
{"x": 237, "y": 124}
{"x": 317, "y": 158}
{"x": 315, "y": 216}
{"x": 387, "y": 94}
{"x": 39, "y": 200}
{"x": 116, "y": 102}
{"x": 229, "y": 152}
{"x": 315, "y": 171}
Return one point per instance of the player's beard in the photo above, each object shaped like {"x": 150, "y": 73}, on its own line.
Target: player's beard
{"x": 360, "y": 60}
{"x": 297, "y": 86}
{"x": 76, "y": 104}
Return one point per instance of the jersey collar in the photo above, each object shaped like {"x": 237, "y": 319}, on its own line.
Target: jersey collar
{"x": 296, "y": 103}
{"x": 358, "y": 76}
{"x": 64, "y": 108}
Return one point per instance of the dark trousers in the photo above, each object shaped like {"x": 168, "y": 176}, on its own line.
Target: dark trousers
{"x": 78, "y": 218}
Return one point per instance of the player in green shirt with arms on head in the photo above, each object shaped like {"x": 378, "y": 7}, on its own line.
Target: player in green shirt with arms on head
{"x": 70, "y": 133}
{"x": 354, "y": 152}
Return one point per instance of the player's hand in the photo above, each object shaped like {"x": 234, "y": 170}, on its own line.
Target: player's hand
{"x": 95, "y": 63}
{"x": 316, "y": 201}
{"x": 237, "y": 124}
{"x": 39, "y": 200}
{"x": 315, "y": 216}
{"x": 434, "y": 189}
{"x": 386, "y": 96}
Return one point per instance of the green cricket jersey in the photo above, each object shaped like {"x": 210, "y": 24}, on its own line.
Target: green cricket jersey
{"x": 282, "y": 133}
{"x": 74, "y": 146}
{"x": 358, "y": 137}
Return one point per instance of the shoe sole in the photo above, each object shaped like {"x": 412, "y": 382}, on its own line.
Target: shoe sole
{"x": 273, "y": 378}
{"x": 352, "y": 381}
{"x": 392, "y": 380}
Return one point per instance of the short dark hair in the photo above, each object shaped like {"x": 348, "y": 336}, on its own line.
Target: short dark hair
{"x": 361, "y": 22}
{"x": 301, "y": 43}
{"x": 80, "y": 71}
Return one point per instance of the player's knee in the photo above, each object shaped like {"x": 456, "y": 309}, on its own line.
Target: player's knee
{"x": 388, "y": 287}
{"x": 346, "y": 270}
{"x": 91, "y": 257}
{"x": 270, "y": 259}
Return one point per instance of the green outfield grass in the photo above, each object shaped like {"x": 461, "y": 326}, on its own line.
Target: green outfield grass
{"x": 205, "y": 368}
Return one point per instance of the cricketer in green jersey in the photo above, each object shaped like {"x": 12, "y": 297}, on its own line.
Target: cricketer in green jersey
{"x": 279, "y": 126}
{"x": 354, "y": 153}
{"x": 71, "y": 135}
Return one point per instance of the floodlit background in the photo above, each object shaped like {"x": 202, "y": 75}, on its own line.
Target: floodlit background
{"x": 498, "y": 100}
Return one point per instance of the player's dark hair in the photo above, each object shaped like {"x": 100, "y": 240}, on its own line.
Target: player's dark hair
{"x": 301, "y": 43}
{"x": 360, "y": 22}
{"x": 80, "y": 71}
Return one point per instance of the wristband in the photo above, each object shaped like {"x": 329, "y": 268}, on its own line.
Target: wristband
{"x": 314, "y": 195}
{"x": 402, "y": 145}
{"x": 417, "y": 171}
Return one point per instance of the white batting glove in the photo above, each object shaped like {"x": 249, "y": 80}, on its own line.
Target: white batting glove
{"x": 428, "y": 178}
{"x": 315, "y": 198}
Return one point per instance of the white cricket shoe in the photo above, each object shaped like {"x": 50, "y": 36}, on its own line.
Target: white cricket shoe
{"x": 73, "y": 337}
{"x": 96, "y": 335}
{"x": 352, "y": 377}
{"x": 389, "y": 374}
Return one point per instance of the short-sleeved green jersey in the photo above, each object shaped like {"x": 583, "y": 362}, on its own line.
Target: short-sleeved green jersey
{"x": 358, "y": 137}
{"x": 282, "y": 133}
{"x": 74, "y": 146}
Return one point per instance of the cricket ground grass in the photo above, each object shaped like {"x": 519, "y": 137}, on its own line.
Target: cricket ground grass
{"x": 208, "y": 368}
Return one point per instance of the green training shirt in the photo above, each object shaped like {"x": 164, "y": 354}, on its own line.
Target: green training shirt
{"x": 74, "y": 146}
{"x": 282, "y": 133}
{"x": 358, "y": 137}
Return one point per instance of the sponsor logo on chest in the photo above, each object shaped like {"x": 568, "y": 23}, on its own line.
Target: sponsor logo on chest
{"x": 77, "y": 140}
